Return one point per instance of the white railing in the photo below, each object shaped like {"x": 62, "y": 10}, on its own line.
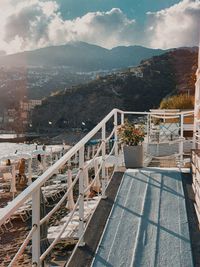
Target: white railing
{"x": 196, "y": 181}
{"x": 98, "y": 162}
{"x": 33, "y": 191}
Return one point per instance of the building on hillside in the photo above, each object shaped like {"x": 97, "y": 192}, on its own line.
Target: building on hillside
{"x": 137, "y": 72}
{"x": 28, "y": 105}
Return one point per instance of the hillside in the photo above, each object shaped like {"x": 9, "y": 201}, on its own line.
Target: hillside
{"x": 138, "y": 89}
{"x": 80, "y": 56}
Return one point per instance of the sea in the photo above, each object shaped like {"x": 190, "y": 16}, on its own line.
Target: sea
{"x": 8, "y": 148}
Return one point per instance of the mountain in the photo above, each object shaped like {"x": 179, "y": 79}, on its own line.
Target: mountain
{"x": 138, "y": 89}
{"x": 80, "y": 56}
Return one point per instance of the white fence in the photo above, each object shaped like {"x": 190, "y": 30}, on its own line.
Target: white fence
{"x": 196, "y": 180}
{"x": 98, "y": 159}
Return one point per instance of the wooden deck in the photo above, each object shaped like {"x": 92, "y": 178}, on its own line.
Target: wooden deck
{"x": 148, "y": 224}
{"x": 84, "y": 255}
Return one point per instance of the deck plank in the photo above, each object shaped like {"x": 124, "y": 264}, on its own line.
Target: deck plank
{"x": 83, "y": 255}
{"x": 148, "y": 223}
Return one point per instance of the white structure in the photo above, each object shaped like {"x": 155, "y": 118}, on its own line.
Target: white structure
{"x": 28, "y": 105}
{"x": 196, "y": 134}
{"x": 33, "y": 190}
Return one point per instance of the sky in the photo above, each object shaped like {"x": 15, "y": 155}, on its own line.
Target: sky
{"x": 32, "y": 24}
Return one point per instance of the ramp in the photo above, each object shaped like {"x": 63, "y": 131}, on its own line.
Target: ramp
{"x": 148, "y": 223}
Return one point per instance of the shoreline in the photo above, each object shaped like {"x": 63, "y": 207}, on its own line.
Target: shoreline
{"x": 67, "y": 137}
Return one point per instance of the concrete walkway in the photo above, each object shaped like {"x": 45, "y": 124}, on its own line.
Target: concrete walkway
{"x": 148, "y": 223}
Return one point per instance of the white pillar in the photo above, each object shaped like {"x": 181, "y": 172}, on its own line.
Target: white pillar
{"x": 103, "y": 137}
{"x": 97, "y": 184}
{"x": 115, "y": 136}
{"x": 122, "y": 118}
{"x": 197, "y": 104}
{"x": 148, "y": 133}
{"x": 121, "y": 145}
{"x": 81, "y": 195}
{"x": 86, "y": 180}
{"x": 70, "y": 198}
{"x": 181, "y": 135}
{"x": 36, "y": 234}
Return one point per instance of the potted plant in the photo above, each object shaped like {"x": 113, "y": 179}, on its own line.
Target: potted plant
{"x": 131, "y": 137}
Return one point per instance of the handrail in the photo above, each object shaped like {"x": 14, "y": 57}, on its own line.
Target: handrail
{"x": 165, "y": 117}
{"x": 23, "y": 246}
{"x": 94, "y": 180}
{"x": 83, "y": 165}
{"x": 94, "y": 157}
{"x": 111, "y": 152}
{"x": 21, "y": 198}
{"x": 61, "y": 201}
{"x": 111, "y": 134}
{"x": 156, "y": 113}
{"x": 61, "y": 232}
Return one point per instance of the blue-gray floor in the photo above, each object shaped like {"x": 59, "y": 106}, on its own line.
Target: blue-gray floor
{"x": 148, "y": 223}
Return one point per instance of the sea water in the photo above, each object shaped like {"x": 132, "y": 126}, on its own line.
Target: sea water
{"x": 8, "y": 149}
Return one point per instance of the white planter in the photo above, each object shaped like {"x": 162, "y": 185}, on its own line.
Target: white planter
{"x": 133, "y": 156}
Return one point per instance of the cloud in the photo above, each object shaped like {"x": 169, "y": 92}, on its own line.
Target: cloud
{"x": 26, "y": 25}
{"x": 32, "y": 24}
{"x": 176, "y": 26}
{"x": 103, "y": 28}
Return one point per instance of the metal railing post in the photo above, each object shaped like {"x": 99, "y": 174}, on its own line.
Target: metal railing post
{"x": 103, "y": 178}
{"x": 81, "y": 195}
{"x": 115, "y": 125}
{"x": 70, "y": 198}
{"x": 96, "y": 185}
{"x": 36, "y": 222}
{"x": 148, "y": 128}
{"x": 122, "y": 118}
{"x": 181, "y": 143}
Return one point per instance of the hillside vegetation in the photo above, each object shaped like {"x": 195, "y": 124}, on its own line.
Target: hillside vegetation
{"x": 162, "y": 76}
{"x": 182, "y": 101}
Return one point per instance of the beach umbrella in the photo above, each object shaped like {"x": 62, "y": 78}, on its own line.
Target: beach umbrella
{"x": 70, "y": 198}
{"x": 38, "y": 151}
{"x": 9, "y": 156}
{"x": 22, "y": 155}
{"x": 13, "y": 181}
